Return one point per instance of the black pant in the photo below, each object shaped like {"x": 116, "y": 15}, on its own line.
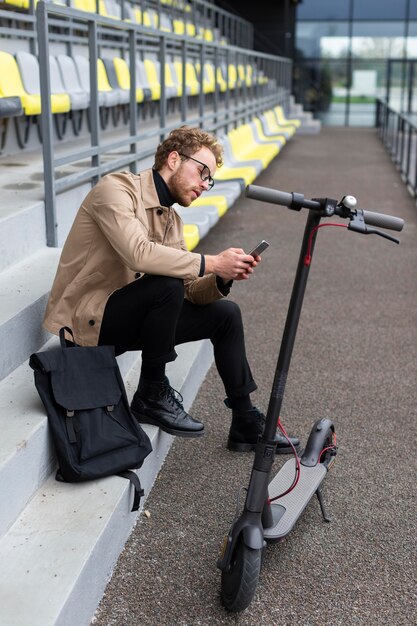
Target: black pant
{"x": 152, "y": 315}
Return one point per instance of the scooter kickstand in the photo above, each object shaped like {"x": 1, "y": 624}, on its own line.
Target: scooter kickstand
{"x": 320, "y": 498}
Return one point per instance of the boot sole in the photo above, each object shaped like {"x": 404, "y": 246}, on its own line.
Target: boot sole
{"x": 143, "y": 419}
{"x": 249, "y": 447}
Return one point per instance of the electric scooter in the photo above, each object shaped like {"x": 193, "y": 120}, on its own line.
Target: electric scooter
{"x": 271, "y": 509}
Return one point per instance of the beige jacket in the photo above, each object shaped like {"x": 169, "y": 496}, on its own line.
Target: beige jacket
{"x": 120, "y": 230}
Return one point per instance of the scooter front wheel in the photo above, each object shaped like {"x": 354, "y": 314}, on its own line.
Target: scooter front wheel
{"x": 239, "y": 582}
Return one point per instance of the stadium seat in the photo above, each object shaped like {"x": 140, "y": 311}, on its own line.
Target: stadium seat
{"x": 194, "y": 217}
{"x": 149, "y": 75}
{"x": 191, "y": 236}
{"x": 165, "y": 23}
{"x": 244, "y": 145}
{"x": 261, "y": 137}
{"x": 122, "y": 72}
{"x": 110, "y": 68}
{"x": 191, "y": 81}
{"x": 271, "y": 125}
{"x": 283, "y": 121}
{"x": 60, "y": 101}
{"x": 29, "y": 71}
{"x": 107, "y": 97}
{"x": 79, "y": 99}
{"x": 232, "y": 159}
{"x": 218, "y": 201}
{"x": 84, "y": 5}
{"x": 110, "y": 8}
{"x": 208, "y": 210}
{"x": 11, "y": 85}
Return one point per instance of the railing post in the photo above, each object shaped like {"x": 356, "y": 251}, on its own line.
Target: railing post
{"x": 46, "y": 126}
{"x": 94, "y": 104}
{"x": 133, "y": 106}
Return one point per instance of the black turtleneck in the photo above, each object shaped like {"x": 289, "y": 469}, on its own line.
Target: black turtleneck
{"x": 166, "y": 199}
{"x": 164, "y": 194}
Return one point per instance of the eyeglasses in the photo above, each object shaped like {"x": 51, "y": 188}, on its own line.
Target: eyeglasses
{"x": 204, "y": 173}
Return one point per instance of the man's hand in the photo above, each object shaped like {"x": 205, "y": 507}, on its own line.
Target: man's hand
{"x": 231, "y": 264}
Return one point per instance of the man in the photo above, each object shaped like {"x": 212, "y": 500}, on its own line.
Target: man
{"x": 126, "y": 278}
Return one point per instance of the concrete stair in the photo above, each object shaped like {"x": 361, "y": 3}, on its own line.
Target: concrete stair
{"x": 58, "y": 542}
{"x": 309, "y": 125}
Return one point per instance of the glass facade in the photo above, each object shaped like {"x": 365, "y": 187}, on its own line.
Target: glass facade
{"x": 350, "y": 52}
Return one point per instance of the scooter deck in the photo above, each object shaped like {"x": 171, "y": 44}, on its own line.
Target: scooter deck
{"x": 288, "y": 509}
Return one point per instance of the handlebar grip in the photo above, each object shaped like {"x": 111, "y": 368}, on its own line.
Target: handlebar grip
{"x": 265, "y": 194}
{"x": 383, "y": 221}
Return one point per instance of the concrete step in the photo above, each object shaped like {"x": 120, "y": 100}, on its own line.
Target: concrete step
{"x": 22, "y": 231}
{"x": 309, "y": 127}
{"x": 58, "y": 554}
{"x": 26, "y": 451}
{"x": 24, "y": 288}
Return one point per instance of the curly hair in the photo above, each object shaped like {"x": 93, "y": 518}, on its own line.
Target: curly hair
{"x": 187, "y": 140}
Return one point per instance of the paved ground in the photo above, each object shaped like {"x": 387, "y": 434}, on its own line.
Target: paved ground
{"x": 355, "y": 361}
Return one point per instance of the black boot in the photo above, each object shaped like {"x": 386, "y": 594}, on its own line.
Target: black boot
{"x": 156, "y": 403}
{"x": 248, "y": 426}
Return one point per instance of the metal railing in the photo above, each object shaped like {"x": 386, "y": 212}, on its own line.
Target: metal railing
{"x": 399, "y": 134}
{"x": 233, "y": 29}
{"x": 224, "y": 111}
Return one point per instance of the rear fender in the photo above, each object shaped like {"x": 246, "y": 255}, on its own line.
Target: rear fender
{"x": 316, "y": 440}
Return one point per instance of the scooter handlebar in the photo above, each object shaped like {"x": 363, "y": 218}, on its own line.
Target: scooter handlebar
{"x": 297, "y": 201}
{"x": 383, "y": 221}
{"x": 266, "y": 194}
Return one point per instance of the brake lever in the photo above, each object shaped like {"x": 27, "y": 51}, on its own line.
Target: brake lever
{"x": 358, "y": 225}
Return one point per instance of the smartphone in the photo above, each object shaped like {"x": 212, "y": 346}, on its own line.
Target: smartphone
{"x": 262, "y": 245}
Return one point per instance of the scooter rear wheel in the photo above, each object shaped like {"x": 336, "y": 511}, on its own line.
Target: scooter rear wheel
{"x": 239, "y": 583}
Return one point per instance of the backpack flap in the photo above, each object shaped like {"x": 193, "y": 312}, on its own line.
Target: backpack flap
{"x": 82, "y": 378}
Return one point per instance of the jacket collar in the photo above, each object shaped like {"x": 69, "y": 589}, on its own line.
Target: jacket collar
{"x": 148, "y": 189}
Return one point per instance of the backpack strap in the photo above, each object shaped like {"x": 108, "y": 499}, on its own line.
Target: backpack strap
{"x": 134, "y": 479}
{"x": 63, "y": 341}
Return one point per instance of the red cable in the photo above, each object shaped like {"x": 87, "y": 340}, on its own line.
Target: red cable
{"x": 307, "y": 258}
{"x": 297, "y": 464}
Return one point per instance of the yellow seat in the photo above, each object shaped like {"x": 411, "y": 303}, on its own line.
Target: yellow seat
{"x": 208, "y": 77}
{"x": 137, "y": 13}
{"x": 283, "y": 121}
{"x": 11, "y": 84}
{"x": 274, "y": 127}
{"x": 247, "y": 173}
{"x": 191, "y": 79}
{"x": 232, "y": 78}
{"x": 191, "y": 236}
{"x": 208, "y": 35}
{"x": 153, "y": 79}
{"x": 279, "y": 137}
{"x": 244, "y": 146}
{"x": 219, "y": 202}
{"x": 123, "y": 76}
{"x": 17, "y": 3}
{"x": 85, "y": 5}
{"x": 178, "y": 26}
{"x": 150, "y": 18}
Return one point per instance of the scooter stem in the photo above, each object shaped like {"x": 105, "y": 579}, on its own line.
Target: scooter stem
{"x": 291, "y": 325}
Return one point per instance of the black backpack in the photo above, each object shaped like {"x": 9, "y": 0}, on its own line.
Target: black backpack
{"x": 94, "y": 432}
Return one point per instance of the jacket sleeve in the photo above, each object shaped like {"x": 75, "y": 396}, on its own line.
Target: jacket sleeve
{"x": 113, "y": 211}
{"x": 203, "y": 290}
